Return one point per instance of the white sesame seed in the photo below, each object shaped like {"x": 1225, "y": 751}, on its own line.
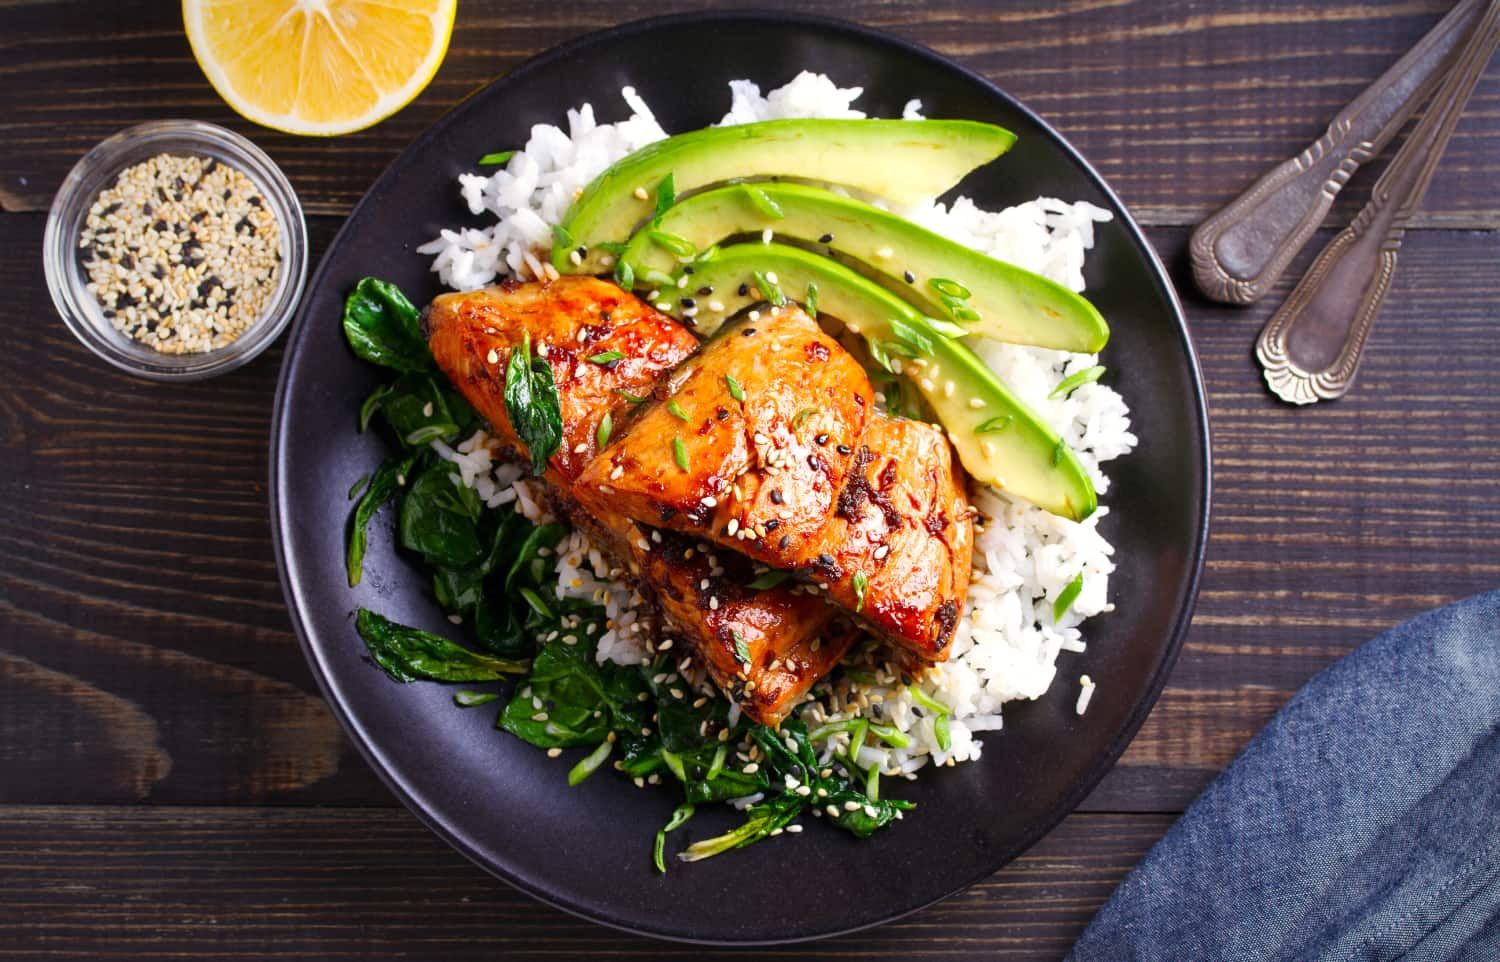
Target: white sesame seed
{"x": 640, "y": 194}
{"x": 976, "y": 403}
{"x": 554, "y": 752}
{"x": 663, "y": 306}
{"x": 884, "y": 252}
{"x": 493, "y": 357}
{"x": 716, "y": 306}
{"x": 575, "y": 258}
{"x": 765, "y": 238}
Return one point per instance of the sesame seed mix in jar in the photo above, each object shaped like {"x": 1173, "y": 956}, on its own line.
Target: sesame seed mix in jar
{"x": 182, "y": 253}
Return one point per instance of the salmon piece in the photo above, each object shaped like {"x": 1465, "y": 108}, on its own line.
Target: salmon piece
{"x": 759, "y": 474}
{"x": 764, "y": 648}
{"x": 569, "y": 320}
{"x": 791, "y": 638}
{"x": 903, "y": 526}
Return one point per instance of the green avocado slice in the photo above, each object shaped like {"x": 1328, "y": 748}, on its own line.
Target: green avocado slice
{"x": 1013, "y": 304}
{"x": 905, "y": 161}
{"x": 999, "y": 439}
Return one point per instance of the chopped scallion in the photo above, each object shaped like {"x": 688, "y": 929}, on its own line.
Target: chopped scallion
{"x": 607, "y": 357}
{"x": 735, "y": 391}
{"x": 606, "y": 426}
{"x": 469, "y": 699}
{"x": 632, "y": 398}
{"x": 1058, "y": 451}
{"x": 679, "y": 818}
{"x": 1069, "y": 595}
{"x": 949, "y": 287}
{"x": 675, "y": 244}
{"x": 741, "y": 650}
{"x": 769, "y": 580}
{"x": 995, "y": 424}
{"x": 498, "y": 157}
{"x": 590, "y": 763}
{"x": 801, "y": 417}
{"x": 666, "y": 195}
{"x": 763, "y": 202}
{"x": 679, "y": 453}
{"x": 535, "y": 601}
{"x": 675, "y": 409}
{"x": 1077, "y": 380}
{"x": 624, "y": 274}
{"x": 812, "y": 300}
{"x": 861, "y": 583}
{"x": 771, "y": 292}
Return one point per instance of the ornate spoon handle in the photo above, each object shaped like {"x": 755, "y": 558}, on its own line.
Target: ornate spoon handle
{"x": 1311, "y": 346}
{"x": 1239, "y": 252}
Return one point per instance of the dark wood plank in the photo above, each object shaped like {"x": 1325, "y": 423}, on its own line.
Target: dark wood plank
{"x": 145, "y": 653}
{"x": 136, "y": 883}
{"x": 1179, "y": 105}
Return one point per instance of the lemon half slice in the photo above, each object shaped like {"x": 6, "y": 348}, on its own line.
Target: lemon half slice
{"x": 318, "y": 67}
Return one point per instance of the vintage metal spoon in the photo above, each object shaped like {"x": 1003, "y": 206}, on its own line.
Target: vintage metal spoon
{"x": 1311, "y": 346}
{"x": 1240, "y": 252}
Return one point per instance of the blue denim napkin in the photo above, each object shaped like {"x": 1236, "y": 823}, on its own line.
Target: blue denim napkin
{"x": 1363, "y": 823}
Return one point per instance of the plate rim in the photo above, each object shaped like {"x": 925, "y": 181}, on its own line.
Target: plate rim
{"x": 1182, "y": 621}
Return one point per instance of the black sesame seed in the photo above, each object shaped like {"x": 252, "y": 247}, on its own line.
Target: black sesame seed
{"x": 773, "y": 524}
{"x": 255, "y": 201}
{"x": 688, "y": 269}
{"x": 705, "y": 290}
{"x": 910, "y": 277}
{"x": 159, "y": 225}
{"x": 844, "y": 449}
{"x": 786, "y": 539}
{"x": 776, "y": 497}
{"x": 748, "y": 332}
{"x": 825, "y": 560}
{"x": 744, "y": 290}
{"x": 688, "y": 302}
{"x": 826, "y": 239}
{"x": 127, "y": 262}
{"x": 821, "y": 439}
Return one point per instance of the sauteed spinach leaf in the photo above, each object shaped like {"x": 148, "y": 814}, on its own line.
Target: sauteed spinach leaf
{"x": 384, "y": 327}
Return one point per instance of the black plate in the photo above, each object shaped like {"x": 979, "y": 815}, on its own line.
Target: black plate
{"x": 587, "y": 849}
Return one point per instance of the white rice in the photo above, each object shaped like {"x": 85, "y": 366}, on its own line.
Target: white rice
{"x": 1006, "y": 647}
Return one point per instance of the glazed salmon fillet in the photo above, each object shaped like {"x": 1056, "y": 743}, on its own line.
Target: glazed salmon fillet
{"x": 766, "y": 443}
{"x": 568, "y": 321}
{"x": 764, "y": 648}
{"x": 747, "y": 445}
{"x": 898, "y": 549}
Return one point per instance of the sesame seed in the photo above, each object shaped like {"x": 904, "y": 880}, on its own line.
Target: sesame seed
{"x": 910, "y": 277}
{"x": 575, "y": 259}
{"x": 663, "y": 306}
{"x": 976, "y": 403}
{"x": 182, "y": 253}
{"x": 493, "y": 357}
{"x": 765, "y": 238}
{"x": 771, "y": 276}
{"x": 884, "y": 252}
{"x": 716, "y": 305}
{"x": 554, "y": 753}
{"x": 851, "y": 806}
{"x": 640, "y": 194}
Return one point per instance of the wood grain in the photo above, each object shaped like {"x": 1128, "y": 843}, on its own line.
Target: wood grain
{"x": 140, "y": 572}
{"x": 1180, "y": 105}
{"x": 217, "y": 884}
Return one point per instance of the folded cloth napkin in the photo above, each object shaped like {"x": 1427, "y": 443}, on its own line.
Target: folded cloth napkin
{"x": 1363, "y": 823}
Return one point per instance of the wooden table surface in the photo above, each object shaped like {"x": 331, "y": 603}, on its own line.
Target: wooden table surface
{"x": 170, "y": 780}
